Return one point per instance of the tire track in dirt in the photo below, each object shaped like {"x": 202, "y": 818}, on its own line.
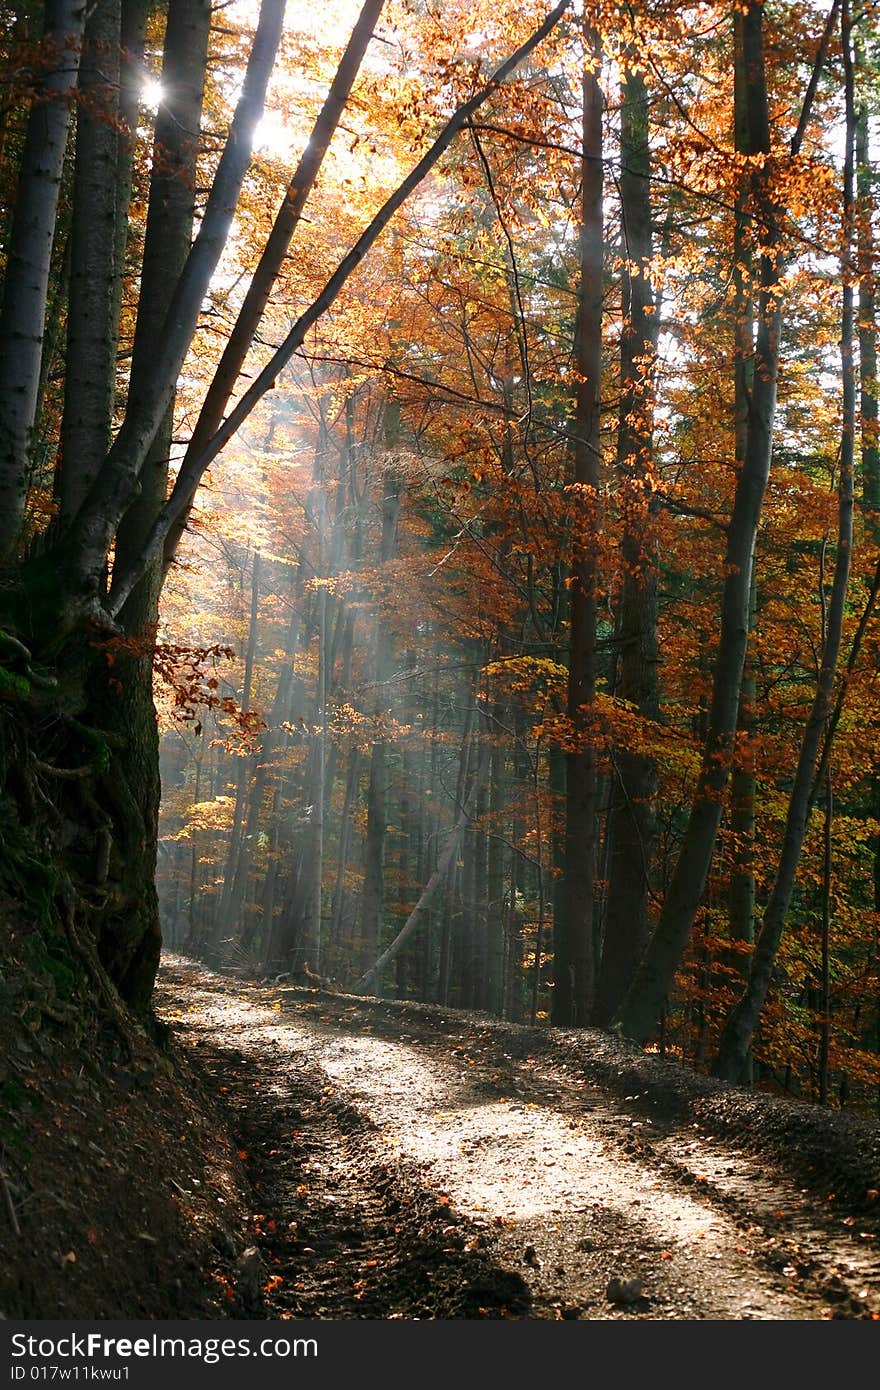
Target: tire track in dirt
{"x": 343, "y": 1228}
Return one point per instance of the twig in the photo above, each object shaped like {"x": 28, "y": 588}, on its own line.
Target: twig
{"x": 10, "y": 1205}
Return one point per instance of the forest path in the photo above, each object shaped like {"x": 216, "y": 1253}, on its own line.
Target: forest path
{"x": 425, "y": 1163}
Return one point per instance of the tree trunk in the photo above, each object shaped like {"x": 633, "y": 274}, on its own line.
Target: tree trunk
{"x": 743, "y": 799}
{"x": 574, "y": 973}
{"x": 631, "y": 827}
{"x": 271, "y": 261}
{"x": 170, "y": 215}
{"x": 169, "y": 230}
{"x": 650, "y": 988}
{"x": 741, "y": 904}
{"x": 26, "y": 281}
{"x": 343, "y": 849}
{"x": 377, "y": 811}
{"x": 740, "y": 1027}
{"x": 87, "y": 541}
{"x": 90, "y": 376}
{"x": 495, "y": 876}
{"x": 867, "y": 267}
{"x": 227, "y": 919}
{"x": 313, "y": 915}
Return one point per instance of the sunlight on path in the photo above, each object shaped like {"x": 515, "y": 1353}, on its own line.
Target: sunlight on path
{"x": 557, "y": 1189}
{"x": 503, "y": 1158}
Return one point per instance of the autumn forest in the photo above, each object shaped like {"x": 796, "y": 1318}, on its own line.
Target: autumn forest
{"x": 440, "y": 517}
{"x": 469, "y": 684}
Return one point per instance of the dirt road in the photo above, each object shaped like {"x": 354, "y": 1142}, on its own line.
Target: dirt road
{"x": 409, "y": 1162}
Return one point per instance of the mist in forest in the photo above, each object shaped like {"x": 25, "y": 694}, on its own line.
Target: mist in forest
{"x": 307, "y": 807}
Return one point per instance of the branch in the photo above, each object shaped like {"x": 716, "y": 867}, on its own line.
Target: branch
{"x": 806, "y": 110}
{"x": 414, "y": 919}
{"x": 116, "y": 485}
{"x": 189, "y": 478}
{"x": 274, "y": 253}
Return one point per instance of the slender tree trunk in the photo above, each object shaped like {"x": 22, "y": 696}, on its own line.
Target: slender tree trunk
{"x": 556, "y": 775}
{"x": 451, "y": 915}
{"x": 56, "y": 312}
{"x": 90, "y": 375}
{"x": 574, "y": 975}
{"x": 631, "y": 827}
{"x": 26, "y": 280}
{"x": 825, "y": 958}
{"x": 170, "y": 216}
{"x": 377, "y": 810}
{"x": 495, "y": 876}
{"x": 741, "y": 905}
{"x": 271, "y": 261}
{"x": 867, "y": 338}
{"x": 743, "y": 804}
{"x": 468, "y": 968}
{"x": 132, "y": 29}
{"x": 408, "y": 846}
{"x": 867, "y": 267}
{"x": 87, "y": 541}
{"x": 372, "y": 895}
{"x": 169, "y": 230}
{"x": 265, "y": 921}
{"x": 344, "y": 848}
{"x": 227, "y": 920}
{"x": 194, "y": 884}
{"x": 650, "y": 988}
{"x": 541, "y": 878}
{"x": 514, "y": 985}
{"x": 740, "y": 1028}
{"x": 313, "y": 933}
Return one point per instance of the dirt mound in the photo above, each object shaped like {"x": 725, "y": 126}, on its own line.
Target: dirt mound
{"x": 121, "y": 1195}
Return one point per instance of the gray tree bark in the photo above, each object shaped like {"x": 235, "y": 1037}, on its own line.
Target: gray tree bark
{"x": 90, "y": 377}
{"x": 26, "y": 282}
{"x": 88, "y": 539}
